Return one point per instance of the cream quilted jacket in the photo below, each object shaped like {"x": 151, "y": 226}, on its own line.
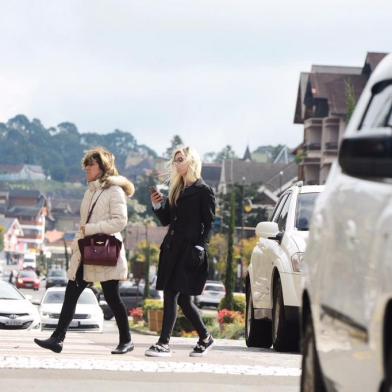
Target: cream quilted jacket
{"x": 110, "y": 217}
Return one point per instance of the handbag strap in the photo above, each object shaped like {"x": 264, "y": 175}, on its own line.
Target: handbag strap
{"x": 92, "y": 208}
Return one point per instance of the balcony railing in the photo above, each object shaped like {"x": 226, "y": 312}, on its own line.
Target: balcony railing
{"x": 311, "y": 161}
{"x": 331, "y": 146}
{"x": 313, "y": 146}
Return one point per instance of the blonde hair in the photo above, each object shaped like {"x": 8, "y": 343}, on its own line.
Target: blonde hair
{"x": 176, "y": 181}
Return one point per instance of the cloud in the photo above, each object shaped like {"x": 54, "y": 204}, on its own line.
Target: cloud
{"x": 218, "y": 72}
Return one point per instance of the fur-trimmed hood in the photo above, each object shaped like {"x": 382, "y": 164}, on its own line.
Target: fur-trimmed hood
{"x": 120, "y": 181}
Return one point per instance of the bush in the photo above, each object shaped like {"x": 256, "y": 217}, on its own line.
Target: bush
{"x": 226, "y": 316}
{"x": 239, "y": 303}
{"x": 137, "y": 314}
{"x": 235, "y": 330}
{"x": 152, "y": 304}
{"x": 183, "y": 327}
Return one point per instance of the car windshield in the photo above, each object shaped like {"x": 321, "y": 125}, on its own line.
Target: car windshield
{"x": 305, "y": 208}
{"x": 27, "y": 274}
{"x": 210, "y": 287}
{"x": 57, "y": 297}
{"x": 57, "y": 273}
{"x": 9, "y": 292}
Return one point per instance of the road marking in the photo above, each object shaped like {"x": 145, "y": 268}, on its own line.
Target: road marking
{"x": 12, "y": 362}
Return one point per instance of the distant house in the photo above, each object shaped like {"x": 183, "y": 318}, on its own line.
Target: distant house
{"x": 65, "y": 213}
{"x": 58, "y": 247}
{"x": 12, "y": 230}
{"x": 323, "y": 99}
{"x": 278, "y": 183}
{"x": 211, "y": 174}
{"x": 247, "y": 173}
{"x": 21, "y": 173}
{"x": 271, "y": 179}
{"x": 31, "y": 210}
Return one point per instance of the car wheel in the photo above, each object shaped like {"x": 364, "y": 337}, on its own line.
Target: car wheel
{"x": 311, "y": 376}
{"x": 285, "y": 337}
{"x": 258, "y": 333}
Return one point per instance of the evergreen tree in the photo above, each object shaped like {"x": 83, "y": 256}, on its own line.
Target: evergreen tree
{"x": 226, "y": 153}
{"x": 228, "y": 300}
{"x": 175, "y": 143}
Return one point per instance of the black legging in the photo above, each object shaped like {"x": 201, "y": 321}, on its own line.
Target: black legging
{"x": 170, "y": 300}
{"x": 112, "y": 296}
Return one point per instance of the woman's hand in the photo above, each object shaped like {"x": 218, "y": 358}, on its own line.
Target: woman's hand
{"x": 156, "y": 197}
{"x": 83, "y": 230}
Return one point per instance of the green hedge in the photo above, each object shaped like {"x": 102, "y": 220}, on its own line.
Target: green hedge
{"x": 183, "y": 324}
{"x": 239, "y": 303}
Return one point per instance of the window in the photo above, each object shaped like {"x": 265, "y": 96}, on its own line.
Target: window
{"x": 304, "y": 211}
{"x": 283, "y": 214}
{"x": 57, "y": 297}
{"x": 379, "y": 111}
{"x": 278, "y": 208}
{"x": 8, "y": 292}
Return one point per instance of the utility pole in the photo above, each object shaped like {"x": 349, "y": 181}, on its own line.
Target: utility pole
{"x": 228, "y": 300}
{"x": 147, "y": 262}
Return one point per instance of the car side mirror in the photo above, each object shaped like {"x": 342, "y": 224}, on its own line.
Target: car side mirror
{"x": 367, "y": 155}
{"x": 267, "y": 229}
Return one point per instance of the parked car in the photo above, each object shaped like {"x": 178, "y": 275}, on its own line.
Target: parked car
{"x": 28, "y": 279}
{"x": 273, "y": 283}
{"x": 56, "y": 277}
{"x": 16, "y": 311}
{"x": 212, "y": 294}
{"x": 88, "y": 315}
{"x": 347, "y": 295}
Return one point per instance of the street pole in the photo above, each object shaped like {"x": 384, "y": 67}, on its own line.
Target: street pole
{"x": 147, "y": 266}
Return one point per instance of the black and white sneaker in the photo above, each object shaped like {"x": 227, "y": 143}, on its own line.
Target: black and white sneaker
{"x": 158, "y": 350}
{"x": 202, "y": 347}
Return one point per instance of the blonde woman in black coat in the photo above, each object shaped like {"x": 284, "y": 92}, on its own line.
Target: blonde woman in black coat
{"x": 183, "y": 267}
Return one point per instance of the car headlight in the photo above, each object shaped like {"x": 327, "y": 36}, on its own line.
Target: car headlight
{"x": 296, "y": 261}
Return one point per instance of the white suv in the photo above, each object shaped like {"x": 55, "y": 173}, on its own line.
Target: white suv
{"x": 347, "y": 297}
{"x": 273, "y": 283}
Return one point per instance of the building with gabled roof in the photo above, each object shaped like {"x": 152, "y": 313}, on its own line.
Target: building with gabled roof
{"x": 322, "y": 106}
{"x": 21, "y": 172}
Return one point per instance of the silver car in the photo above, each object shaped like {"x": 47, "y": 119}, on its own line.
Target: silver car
{"x": 16, "y": 311}
{"x": 212, "y": 294}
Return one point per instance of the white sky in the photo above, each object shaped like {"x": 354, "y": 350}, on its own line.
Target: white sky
{"x": 216, "y": 72}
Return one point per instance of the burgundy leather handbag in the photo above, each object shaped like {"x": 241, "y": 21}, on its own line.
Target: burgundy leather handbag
{"x": 99, "y": 249}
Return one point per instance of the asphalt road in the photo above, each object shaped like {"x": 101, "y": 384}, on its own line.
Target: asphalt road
{"x": 86, "y": 363}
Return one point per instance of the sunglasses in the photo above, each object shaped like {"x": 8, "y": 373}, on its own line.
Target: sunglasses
{"x": 178, "y": 161}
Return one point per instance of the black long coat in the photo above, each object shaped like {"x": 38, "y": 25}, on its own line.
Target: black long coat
{"x": 182, "y": 267}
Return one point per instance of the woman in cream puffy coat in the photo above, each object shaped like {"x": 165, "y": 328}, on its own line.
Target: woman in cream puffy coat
{"x": 106, "y": 194}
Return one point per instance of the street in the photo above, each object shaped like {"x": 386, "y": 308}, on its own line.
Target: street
{"x": 86, "y": 360}
{"x": 229, "y": 366}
